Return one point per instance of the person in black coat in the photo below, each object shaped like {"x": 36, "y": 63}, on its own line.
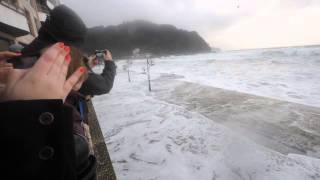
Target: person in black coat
{"x": 36, "y": 133}
{"x": 66, "y": 26}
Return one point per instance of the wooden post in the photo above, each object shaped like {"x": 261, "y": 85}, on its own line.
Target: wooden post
{"x": 128, "y": 68}
{"x": 148, "y": 71}
{"x": 129, "y": 79}
{"x": 105, "y": 169}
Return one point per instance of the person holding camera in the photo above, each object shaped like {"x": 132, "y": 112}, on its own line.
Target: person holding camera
{"x": 98, "y": 84}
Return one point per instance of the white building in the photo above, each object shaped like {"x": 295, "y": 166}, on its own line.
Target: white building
{"x": 20, "y": 20}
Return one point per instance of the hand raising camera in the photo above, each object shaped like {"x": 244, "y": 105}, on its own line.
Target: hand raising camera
{"x": 107, "y": 55}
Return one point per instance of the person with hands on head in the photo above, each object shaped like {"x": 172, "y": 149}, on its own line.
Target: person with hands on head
{"x": 36, "y": 133}
{"x": 64, "y": 25}
{"x": 46, "y": 80}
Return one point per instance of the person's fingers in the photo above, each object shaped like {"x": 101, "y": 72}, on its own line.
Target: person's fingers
{"x": 7, "y": 54}
{"x": 5, "y": 68}
{"x": 2, "y": 89}
{"x": 108, "y": 52}
{"x": 14, "y": 76}
{"x": 64, "y": 69}
{"x": 107, "y": 55}
{"x": 73, "y": 79}
{"x": 4, "y": 72}
{"x": 58, "y": 64}
{"x": 95, "y": 62}
{"x": 8, "y": 65}
{"x": 47, "y": 59}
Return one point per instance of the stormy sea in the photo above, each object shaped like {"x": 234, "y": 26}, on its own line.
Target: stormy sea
{"x": 233, "y": 115}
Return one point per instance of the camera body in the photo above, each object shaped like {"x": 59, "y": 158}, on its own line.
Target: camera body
{"x": 100, "y": 55}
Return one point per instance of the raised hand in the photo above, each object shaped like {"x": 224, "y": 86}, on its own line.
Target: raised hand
{"x": 107, "y": 55}
{"x": 6, "y": 67}
{"x": 46, "y": 79}
{"x": 7, "y": 55}
{"x": 4, "y": 71}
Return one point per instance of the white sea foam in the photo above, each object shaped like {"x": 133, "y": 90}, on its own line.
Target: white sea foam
{"x": 290, "y": 74}
{"x": 151, "y": 139}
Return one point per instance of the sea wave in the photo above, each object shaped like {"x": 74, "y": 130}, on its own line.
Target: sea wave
{"x": 273, "y": 53}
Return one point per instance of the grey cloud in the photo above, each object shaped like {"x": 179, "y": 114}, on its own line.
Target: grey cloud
{"x": 208, "y": 17}
{"x": 177, "y": 12}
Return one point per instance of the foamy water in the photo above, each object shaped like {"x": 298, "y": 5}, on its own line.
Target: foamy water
{"x": 149, "y": 138}
{"x": 289, "y": 74}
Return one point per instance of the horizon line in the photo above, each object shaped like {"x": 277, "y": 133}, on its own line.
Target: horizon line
{"x": 274, "y": 47}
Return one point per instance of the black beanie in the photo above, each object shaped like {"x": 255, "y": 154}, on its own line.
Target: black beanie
{"x": 62, "y": 25}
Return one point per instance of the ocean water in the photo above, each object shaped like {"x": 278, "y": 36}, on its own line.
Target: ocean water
{"x": 289, "y": 74}
{"x": 236, "y": 115}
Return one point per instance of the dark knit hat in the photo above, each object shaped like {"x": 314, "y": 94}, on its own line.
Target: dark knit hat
{"x": 62, "y": 25}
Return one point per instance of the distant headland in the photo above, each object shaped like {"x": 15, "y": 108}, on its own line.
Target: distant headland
{"x": 158, "y": 40}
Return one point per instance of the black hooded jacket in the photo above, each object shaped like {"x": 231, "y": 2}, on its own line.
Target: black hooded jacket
{"x": 98, "y": 84}
{"x": 37, "y": 137}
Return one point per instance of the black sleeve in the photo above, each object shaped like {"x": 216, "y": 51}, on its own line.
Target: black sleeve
{"x": 100, "y": 84}
{"x": 37, "y": 140}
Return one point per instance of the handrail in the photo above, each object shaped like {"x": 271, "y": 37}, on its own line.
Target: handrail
{"x": 105, "y": 169}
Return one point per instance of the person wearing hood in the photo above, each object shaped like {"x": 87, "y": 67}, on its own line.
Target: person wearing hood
{"x": 36, "y": 134}
{"x": 64, "y": 25}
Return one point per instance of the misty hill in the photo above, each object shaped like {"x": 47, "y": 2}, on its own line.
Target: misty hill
{"x": 148, "y": 37}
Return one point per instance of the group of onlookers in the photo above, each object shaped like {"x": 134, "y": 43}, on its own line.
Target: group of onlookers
{"x": 44, "y": 89}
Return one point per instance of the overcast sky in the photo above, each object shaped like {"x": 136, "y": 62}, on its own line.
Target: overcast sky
{"x": 227, "y": 24}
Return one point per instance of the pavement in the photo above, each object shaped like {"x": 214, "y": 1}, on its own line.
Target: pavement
{"x": 283, "y": 126}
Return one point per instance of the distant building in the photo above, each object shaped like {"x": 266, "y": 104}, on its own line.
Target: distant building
{"x": 20, "y": 20}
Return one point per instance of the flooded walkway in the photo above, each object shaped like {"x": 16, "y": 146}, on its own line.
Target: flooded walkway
{"x": 279, "y": 125}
